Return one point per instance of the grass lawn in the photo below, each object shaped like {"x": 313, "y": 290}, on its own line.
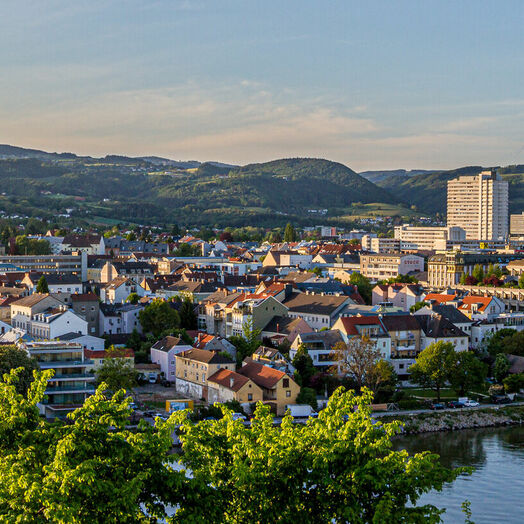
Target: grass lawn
{"x": 429, "y": 393}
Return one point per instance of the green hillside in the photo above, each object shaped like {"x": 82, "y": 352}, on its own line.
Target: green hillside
{"x": 267, "y": 194}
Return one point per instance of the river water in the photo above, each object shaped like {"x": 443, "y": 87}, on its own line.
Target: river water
{"x": 495, "y": 489}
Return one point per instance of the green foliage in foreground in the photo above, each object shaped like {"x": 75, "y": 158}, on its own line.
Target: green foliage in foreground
{"x": 337, "y": 468}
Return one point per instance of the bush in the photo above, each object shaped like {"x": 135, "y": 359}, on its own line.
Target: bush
{"x": 308, "y": 396}
{"x": 514, "y": 383}
{"x": 410, "y": 403}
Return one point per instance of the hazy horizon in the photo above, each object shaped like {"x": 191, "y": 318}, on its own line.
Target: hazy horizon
{"x": 377, "y": 85}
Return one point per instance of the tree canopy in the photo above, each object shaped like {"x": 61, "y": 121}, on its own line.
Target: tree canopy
{"x": 11, "y": 357}
{"x": 41, "y": 285}
{"x": 93, "y": 469}
{"x": 158, "y": 317}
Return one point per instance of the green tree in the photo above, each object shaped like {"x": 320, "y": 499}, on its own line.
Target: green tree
{"x": 521, "y": 280}
{"x": 187, "y": 250}
{"x": 133, "y": 298}
{"x": 41, "y": 285}
{"x": 116, "y": 371}
{"x": 382, "y": 377}
{"x": 11, "y": 357}
{"x": 158, "y": 317}
{"x": 90, "y": 470}
{"x": 433, "y": 366}
{"x": 283, "y": 474}
{"x": 304, "y": 368}
{"x": 290, "y": 235}
{"x": 478, "y": 273}
{"x": 317, "y": 270}
{"x": 363, "y": 284}
{"x": 26, "y": 246}
{"x": 501, "y": 367}
{"x": 188, "y": 317}
{"x": 356, "y": 359}
{"x": 513, "y": 383}
{"x": 495, "y": 343}
{"x": 417, "y": 305}
{"x": 468, "y": 372}
{"x": 247, "y": 343}
{"x": 307, "y": 396}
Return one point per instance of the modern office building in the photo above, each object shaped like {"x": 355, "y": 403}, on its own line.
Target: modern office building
{"x": 427, "y": 238}
{"x": 479, "y": 205}
{"x": 72, "y": 381}
{"x": 74, "y": 263}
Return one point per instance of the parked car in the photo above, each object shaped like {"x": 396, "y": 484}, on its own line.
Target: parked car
{"x": 471, "y": 403}
{"x": 437, "y": 405}
{"x": 166, "y": 383}
{"x": 501, "y": 399}
{"x": 239, "y": 416}
{"x": 455, "y": 404}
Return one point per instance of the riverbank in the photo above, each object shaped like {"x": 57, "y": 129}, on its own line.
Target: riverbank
{"x": 460, "y": 419}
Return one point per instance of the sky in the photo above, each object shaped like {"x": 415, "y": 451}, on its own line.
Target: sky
{"x": 372, "y": 84}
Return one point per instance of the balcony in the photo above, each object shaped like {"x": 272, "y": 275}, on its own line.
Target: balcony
{"x": 86, "y": 376}
{"x": 72, "y": 389}
{"x": 65, "y": 363}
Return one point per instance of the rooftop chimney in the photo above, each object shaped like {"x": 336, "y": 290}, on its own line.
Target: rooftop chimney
{"x": 231, "y": 382}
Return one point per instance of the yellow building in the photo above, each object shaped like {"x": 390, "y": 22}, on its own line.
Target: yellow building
{"x": 195, "y": 366}
{"x": 226, "y": 385}
{"x": 278, "y": 389}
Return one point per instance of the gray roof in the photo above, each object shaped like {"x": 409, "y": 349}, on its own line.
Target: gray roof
{"x": 328, "y": 338}
{"x": 437, "y": 326}
{"x": 451, "y": 313}
{"x": 314, "y": 304}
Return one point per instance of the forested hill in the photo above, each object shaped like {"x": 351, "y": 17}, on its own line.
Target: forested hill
{"x": 267, "y": 194}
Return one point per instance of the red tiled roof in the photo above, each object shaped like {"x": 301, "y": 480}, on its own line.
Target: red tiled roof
{"x": 228, "y": 379}
{"x": 437, "y": 297}
{"x": 470, "y": 300}
{"x": 350, "y": 323}
{"x": 118, "y": 352}
{"x": 261, "y": 375}
{"x": 84, "y": 297}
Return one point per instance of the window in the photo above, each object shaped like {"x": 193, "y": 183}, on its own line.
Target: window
{"x": 285, "y": 383}
{"x": 250, "y": 397}
{"x": 288, "y": 393}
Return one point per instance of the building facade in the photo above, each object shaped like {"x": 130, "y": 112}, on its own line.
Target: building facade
{"x": 479, "y": 205}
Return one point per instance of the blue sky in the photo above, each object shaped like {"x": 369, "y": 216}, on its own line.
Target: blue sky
{"x": 374, "y": 84}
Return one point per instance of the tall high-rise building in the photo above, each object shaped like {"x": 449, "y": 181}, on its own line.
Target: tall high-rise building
{"x": 479, "y": 205}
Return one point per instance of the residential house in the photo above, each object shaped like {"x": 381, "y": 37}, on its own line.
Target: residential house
{"x": 214, "y": 343}
{"x": 320, "y": 346}
{"x": 55, "y": 321}
{"x": 117, "y": 291}
{"x": 88, "y": 342}
{"x": 400, "y": 295}
{"x": 117, "y": 319}
{"x": 226, "y": 385}
{"x": 368, "y": 326}
{"x": 163, "y": 353}
{"x": 436, "y": 328}
{"x": 481, "y": 308}
{"x": 273, "y": 358}
{"x": 23, "y": 310}
{"x": 406, "y": 341}
{"x": 278, "y": 389}
{"x": 279, "y": 329}
{"x": 319, "y": 311}
{"x": 194, "y": 367}
{"x": 87, "y": 306}
{"x": 90, "y": 244}
{"x": 256, "y": 310}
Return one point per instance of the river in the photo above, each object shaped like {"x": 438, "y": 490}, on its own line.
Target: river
{"x": 495, "y": 489}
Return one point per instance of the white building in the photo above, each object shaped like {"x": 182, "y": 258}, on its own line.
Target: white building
{"x": 479, "y": 205}
{"x": 427, "y": 238}
{"x": 163, "y": 353}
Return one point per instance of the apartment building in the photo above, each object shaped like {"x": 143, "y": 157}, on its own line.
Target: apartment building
{"x": 72, "y": 381}
{"x": 479, "y": 205}
{"x": 516, "y": 225}
{"x": 75, "y": 263}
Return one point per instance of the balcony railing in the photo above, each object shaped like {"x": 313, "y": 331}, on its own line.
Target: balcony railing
{"x": 71, "y": 389}
{"x": 64, "y": 363}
